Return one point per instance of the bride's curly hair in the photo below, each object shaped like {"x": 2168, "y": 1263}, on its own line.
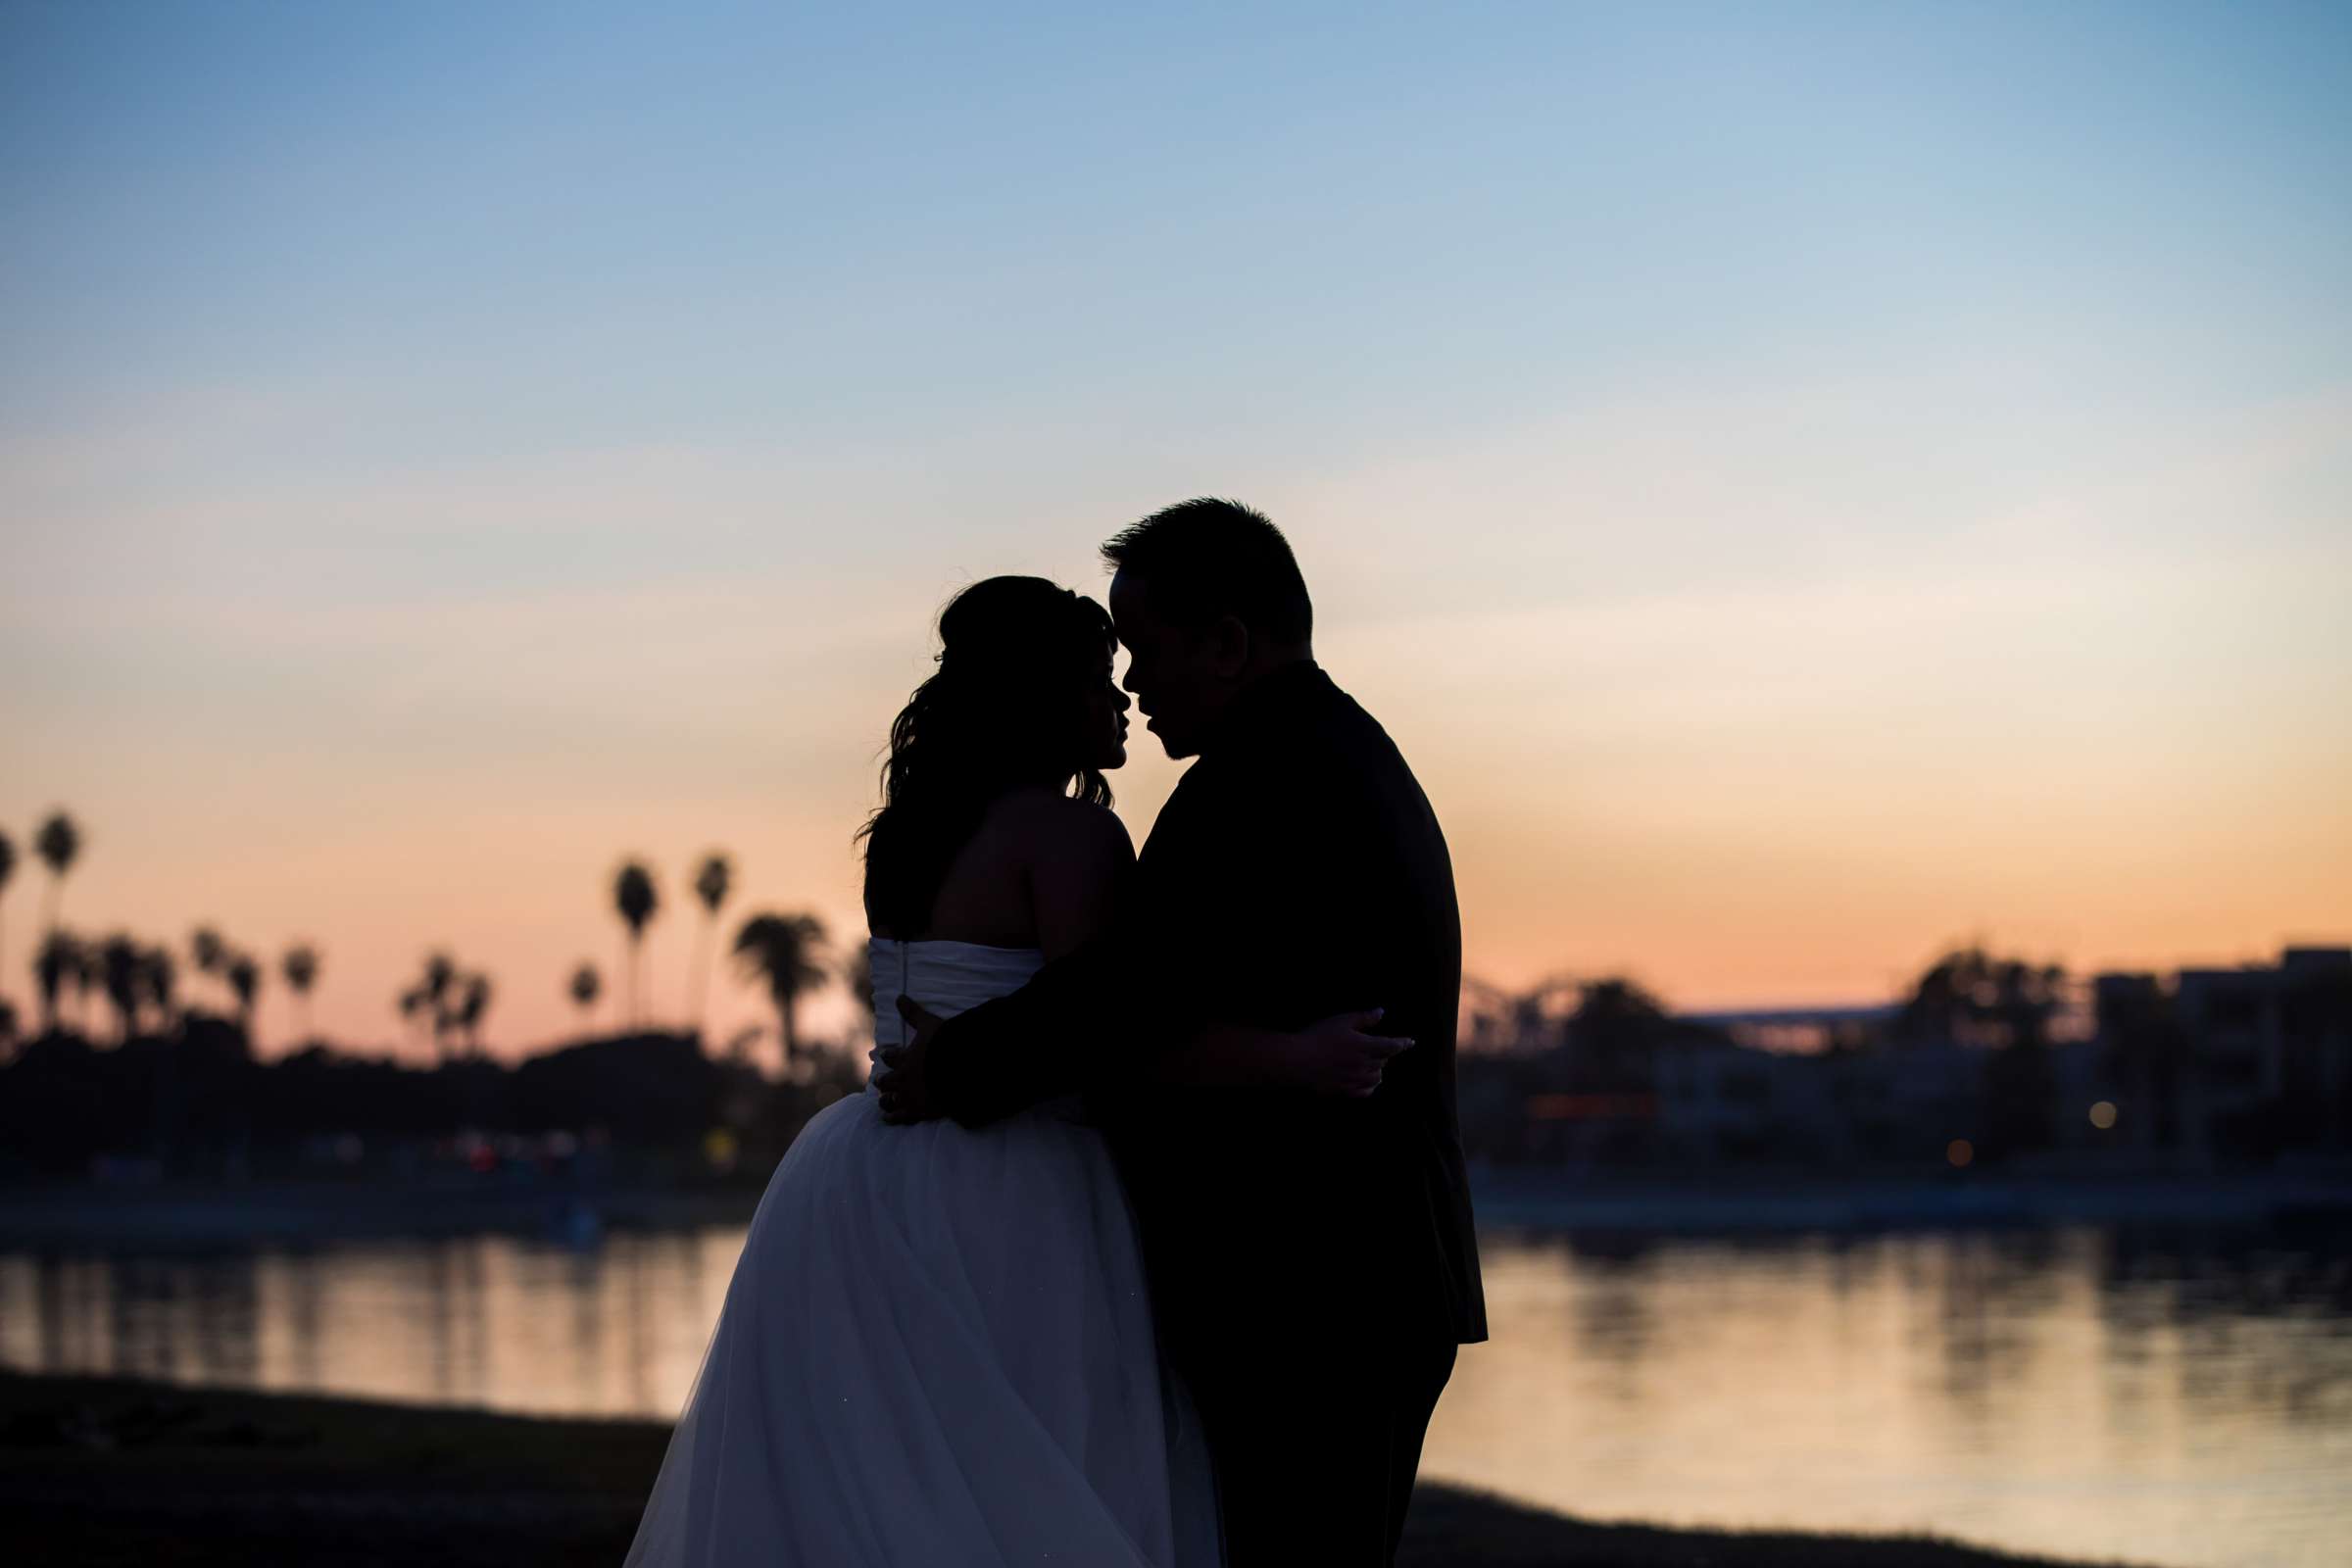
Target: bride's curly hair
{"x": 1006, "y": 708}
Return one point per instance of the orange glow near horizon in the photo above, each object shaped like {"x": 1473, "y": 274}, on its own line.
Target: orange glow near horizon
{"x": 1822, "y": 865}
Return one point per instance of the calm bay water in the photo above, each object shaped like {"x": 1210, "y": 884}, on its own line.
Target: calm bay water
{"x": 2164, "y": 1398}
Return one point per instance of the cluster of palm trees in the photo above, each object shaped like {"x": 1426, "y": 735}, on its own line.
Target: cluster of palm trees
{"x": 58, "y": 844}
{"x": 448, "y": 1001}
{"x": 241, "y": 973}
{"x": 783, "y": 952}
{"x": 136, "y": 978}
{"x": 64, "y": 959}
{"x": 140, "y": 979}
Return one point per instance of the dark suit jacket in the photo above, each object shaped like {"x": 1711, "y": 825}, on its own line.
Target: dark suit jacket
{"x": 1296, "y": 872}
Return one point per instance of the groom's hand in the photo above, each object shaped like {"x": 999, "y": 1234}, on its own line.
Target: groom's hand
{"x": 905, "y": 1084}
{"x": 1340, "y": 1056}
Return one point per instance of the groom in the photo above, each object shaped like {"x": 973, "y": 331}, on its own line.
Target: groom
{"x": 1311, "y": 1259}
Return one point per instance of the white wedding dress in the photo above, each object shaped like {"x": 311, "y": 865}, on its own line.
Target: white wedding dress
{"x": 936, "y": 1349}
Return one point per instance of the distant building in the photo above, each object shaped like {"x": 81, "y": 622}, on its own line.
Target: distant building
{"x": 1803, "y": 1083}
{"x": 2242, "y": 1065}
{"x": 2248, "y": 1062}
{"x": 1715, "y": 1098}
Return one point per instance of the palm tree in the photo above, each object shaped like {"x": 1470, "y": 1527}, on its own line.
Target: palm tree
{"x": 84, "y": 977}
{"x": 585, "y": 984}
{"x": 157, "y": 976}
{"x": 58, "y": 964}
{"x": 119, "y": 969}
{"x": 300, "y": 966}
{"x": 634, "y": 897}
{"x": 783, "y": 951}
{"x": 8, "y": 868}
{"x": 711, "y": 884}
{"x": 474, "y": 1000}
{"x": 414, "y": 1008}
{"x": 245, "y": 979}
{"x": 210, "y": 953}
{"x": 439, "y": 1004}
{"x": 58, "y": 844}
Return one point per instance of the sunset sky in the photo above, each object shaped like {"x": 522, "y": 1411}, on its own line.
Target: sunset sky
{"x": 1805, "y": 484}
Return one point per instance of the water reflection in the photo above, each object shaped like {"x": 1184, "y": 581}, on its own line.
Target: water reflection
{"x": 2162, "y": 1400}
{"x": 481, "y": 1320}
{"x": 2160, "y": 1397}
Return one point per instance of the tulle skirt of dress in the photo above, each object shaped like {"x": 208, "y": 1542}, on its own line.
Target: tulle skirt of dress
{"x": 937, "y": 1350}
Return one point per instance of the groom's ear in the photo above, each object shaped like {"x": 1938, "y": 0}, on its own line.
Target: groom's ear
{"x": 1229, "y": 644}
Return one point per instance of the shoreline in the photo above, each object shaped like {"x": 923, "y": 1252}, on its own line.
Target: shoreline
{"x": 1753, "y": 1203}
{"x": 112, "y": 1471}
{"x": 174, "y": 1217}
{"x": 193, "y": 1215}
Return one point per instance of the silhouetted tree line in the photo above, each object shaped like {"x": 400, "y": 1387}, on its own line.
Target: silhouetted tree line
{"x": 174, "y": 1080}
{"x": 783, "y": 953}
{"x": 1568, "y": 1067}
{"x": 196, "y": 1102}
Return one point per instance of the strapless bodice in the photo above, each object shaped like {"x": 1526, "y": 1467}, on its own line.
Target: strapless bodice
{"x": 946, "y": 977}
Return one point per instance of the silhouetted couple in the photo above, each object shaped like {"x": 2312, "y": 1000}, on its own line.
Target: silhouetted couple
{"x": 1158, "y": 1249}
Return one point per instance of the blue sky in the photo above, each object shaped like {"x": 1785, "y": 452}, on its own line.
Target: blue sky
{"x": 1692, "y": 418}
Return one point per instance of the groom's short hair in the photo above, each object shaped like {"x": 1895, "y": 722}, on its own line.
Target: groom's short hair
{"x": 1209, "y": 557}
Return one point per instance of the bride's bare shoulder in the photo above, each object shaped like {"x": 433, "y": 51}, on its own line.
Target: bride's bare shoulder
{"x": 1053, "y": 823}
{"x": 1073, "y": 858}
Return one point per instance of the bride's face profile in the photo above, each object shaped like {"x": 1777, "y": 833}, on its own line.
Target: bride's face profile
{"x": 1106, "y": 721}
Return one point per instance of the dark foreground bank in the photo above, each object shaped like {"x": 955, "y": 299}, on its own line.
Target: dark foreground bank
{"x": 102, "y": 1471}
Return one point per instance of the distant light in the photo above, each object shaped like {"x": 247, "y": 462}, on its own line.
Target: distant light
{"x": 2103, "y": 1114}
{"x": 1959, "y": 1151}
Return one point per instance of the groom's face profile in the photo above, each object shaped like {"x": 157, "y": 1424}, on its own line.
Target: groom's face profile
{"x": 1182, "y": 676}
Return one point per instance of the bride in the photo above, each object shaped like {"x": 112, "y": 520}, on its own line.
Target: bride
{"x": 937, "y": 1348}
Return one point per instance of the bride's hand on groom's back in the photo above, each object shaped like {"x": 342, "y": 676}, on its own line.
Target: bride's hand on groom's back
{"x": 1337, "y": 1056}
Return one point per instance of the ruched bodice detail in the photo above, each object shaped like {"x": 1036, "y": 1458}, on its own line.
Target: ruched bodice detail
{"x": 946, "y": 977}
